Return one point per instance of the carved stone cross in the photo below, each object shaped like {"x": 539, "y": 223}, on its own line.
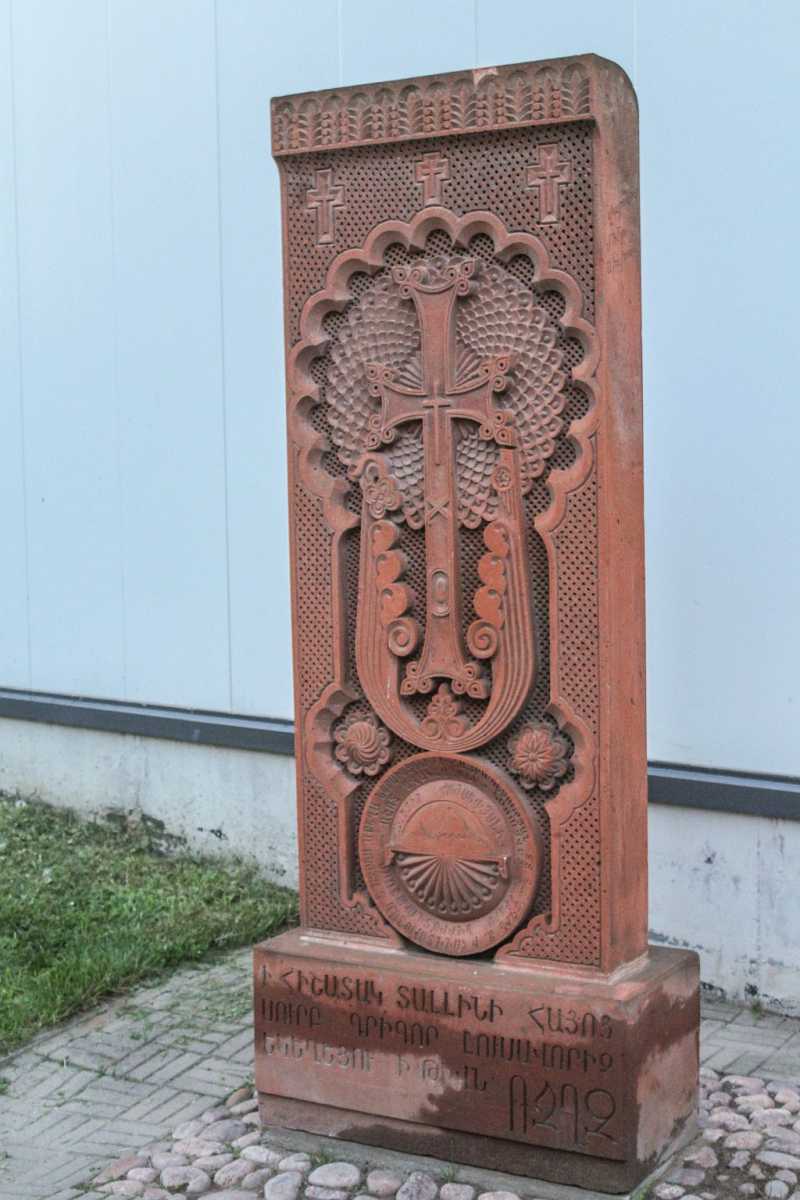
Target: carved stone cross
{"x": 437, "y": 401}
{"x": 323, "y": 199}
{"x": 432, "y": 172}
{"x": 548, "y": 174}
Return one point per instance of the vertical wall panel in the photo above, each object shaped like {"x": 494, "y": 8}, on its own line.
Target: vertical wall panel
{"x": 60, "y": 86}
{"x": 260, "y": 54}
{"x": 720, "y": 173}
{"x": 382, "y": 39}
{"x": 518, "y": 30}
{"x": 14, "y": 662}
{"x": 169, "y": 352}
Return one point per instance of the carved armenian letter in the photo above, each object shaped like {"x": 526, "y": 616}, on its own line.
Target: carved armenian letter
{"x": 461, "y": 288}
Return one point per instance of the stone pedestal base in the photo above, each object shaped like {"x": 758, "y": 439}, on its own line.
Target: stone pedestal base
{"x": 551, "y": 1074}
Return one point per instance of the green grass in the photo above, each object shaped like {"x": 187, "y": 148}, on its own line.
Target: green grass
{"x": 86, "y": 911}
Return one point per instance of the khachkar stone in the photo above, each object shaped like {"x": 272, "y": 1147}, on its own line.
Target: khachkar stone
{"x": 472, "y": 976}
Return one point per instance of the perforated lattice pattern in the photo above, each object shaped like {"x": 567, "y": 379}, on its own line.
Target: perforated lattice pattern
{"x": 486, "y": 170}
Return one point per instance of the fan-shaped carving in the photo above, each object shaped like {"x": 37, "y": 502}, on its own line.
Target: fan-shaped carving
{"x": 451, "y": 887}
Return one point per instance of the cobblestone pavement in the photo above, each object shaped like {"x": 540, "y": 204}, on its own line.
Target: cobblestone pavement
{"x": 152, "y": 1069}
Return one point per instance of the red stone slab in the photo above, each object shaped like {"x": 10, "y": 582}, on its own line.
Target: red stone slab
{"x": 461, "y": 298}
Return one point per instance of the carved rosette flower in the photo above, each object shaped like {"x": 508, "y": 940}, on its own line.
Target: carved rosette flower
{"x": 444, "y": 717}
{"x": 539, "y": 756}
{"x": 363, "y": 746}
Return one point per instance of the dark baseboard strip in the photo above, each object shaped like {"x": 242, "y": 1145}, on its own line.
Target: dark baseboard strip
{"x": 151, "y": 720}
{"x": 669, "y": 783}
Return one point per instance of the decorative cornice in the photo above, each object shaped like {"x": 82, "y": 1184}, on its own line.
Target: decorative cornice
{"x": 434, "y": 106}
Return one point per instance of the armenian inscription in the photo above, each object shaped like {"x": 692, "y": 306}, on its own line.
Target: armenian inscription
{"x": 550, "y": 1074}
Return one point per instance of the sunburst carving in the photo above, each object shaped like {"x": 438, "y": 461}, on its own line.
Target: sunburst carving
{"x": 452, "y": 886}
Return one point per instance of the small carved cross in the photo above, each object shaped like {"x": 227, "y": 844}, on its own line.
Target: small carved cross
{"x": 432, "y": 172}
{"x": 548, "y": 174}
{"x": 323, "y": 199}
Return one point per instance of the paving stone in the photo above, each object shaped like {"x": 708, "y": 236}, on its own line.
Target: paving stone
{"x": 385, "y": 1183}
{"x": 120, "y": 1167}
{"x": 233, "y": 1172}
{"x": 705, "y": 1157}
{"x": 262, "y": 1154}
{"x": 775, "y": 1158}
{"x": 295, "y": 1162}
{"x": 255, "y": 1181}
{"x": 418, "y": 1186}
{"x": 668, "y": 1191}
{"x": 169, "y": 1159}
{"x": 143, "y": 1174}
{"x": 212, "y": 1162}
{"x": 197, "y": 1146}
{"x": 336, "y": 1175}
{"x": 247, "y": 1139}
{"x": 226, "y": 1131}
{"x": 744, "y": 1139}
{"x": 285, "y": 1186}
{"x": 190, "y": 1179}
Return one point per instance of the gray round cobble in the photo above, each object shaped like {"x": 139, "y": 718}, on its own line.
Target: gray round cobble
{"x": 418, "y": 1186}
{"x": 498, "y": 1196}
{"x": 225, "y": 1131}
{"x": 233, "y": 1172}
{"x": 191, "y": 1180}
{"x": 295, "y": 1162}
{"x": 383, "y": 1183}
{"x": 337, "y": 1175}
{"x": 285, "y": 1186}
{"x": 262, "y": 1155}
{"x": 457, "y": 1191}
{"x": 314, "y": 1192}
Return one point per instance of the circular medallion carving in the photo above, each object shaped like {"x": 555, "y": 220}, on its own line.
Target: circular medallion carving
{"x": 451, "y": 853}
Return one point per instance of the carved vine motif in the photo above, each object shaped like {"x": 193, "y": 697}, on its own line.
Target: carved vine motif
{"x": 482, "y": 100}
{"x": 539, "y": 756}
{"x": 524, "y": 409}
{"x": 363, "y": 746}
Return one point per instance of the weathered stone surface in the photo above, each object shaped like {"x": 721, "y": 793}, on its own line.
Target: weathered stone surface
{"x": 233, "y": 1172}
{"x": 314, "y": 1192}
{"x": 383, "y": 1183}
{"x": 256, "y": 1180}
{"x": 418, "y": 1186}
{"x": 188, "y": 1129}
{"x": 775, "y": 1158}
{"x": 668, "y": 1191}
{"x": 120, "y": 1167}
{"x": 247, "y": 1139}
{"x": 212, "y": 1162}
{"x": 295, "y": 1162}
{"x": 191, "y": 1180}
{"x": 498, "y": 1196}
{"x": 167, "y": 1159}
{"x": 457, "y": 1191}
{"x": 194, "y": 1147}
{"x": 335, "y": 1175}
{"x": 124, "y": 1187}
{"x": 143, "y": 1174}
{"x": 285, "y": 1186}
{"x": 705, "y": 1157}
{"x": 242, "y": 1094}
{"x": 745, "y": 1083}
{"x": 725, "y": 1119}
{"x": 744, "y": 1139}
{"x": 776, "y": 1189}
{"x": 263, "y": 1155}
{"x": 740, "y": 1159}
{"x": 218, "y": 1113}
{"x": 768, "y": 1117}
{"x": 226, "y": 1130}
